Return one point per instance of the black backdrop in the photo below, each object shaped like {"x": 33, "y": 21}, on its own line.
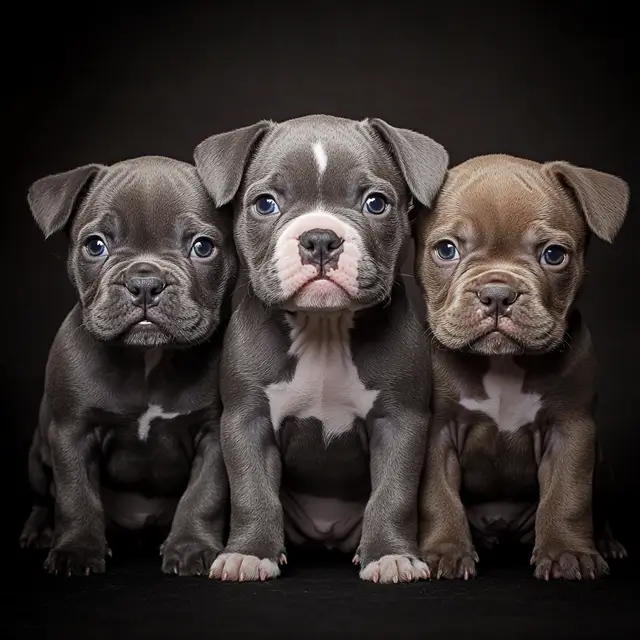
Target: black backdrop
{"x": 101, "y": 82}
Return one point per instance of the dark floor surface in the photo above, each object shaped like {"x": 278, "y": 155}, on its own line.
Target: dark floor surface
{"x": 317, "y": 596}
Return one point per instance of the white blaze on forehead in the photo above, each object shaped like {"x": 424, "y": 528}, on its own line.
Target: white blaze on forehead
{"x": 293, "y": 274}
{"x": 506, "y": 403}
{"x": 320, "y": 156}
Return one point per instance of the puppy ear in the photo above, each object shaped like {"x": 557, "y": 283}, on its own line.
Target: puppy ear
{"x": 54, "y": 198}
{"x": 222, "y": 159}
{"x": 602, "y": 197}
{"x": 423, "y": 161}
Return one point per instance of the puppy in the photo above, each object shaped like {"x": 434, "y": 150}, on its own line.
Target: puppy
{"x": 129, "y": 422}
{"x": 325, "y": 377}
{"x": 512, "y": 443}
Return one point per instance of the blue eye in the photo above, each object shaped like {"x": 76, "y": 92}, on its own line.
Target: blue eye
{"x": 376, "y": 204}
{"x": 447, "y": 251}
{"x": 202, "y": 248}
{"x": 266, "y": 206}
{"x": 96, "y": 247}
{"x": 553, "y": 256}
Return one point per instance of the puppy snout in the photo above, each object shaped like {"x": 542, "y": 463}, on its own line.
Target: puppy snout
{"x": 145, "y": 282}
{"x": 497, "y": 298}
{"x": 320, "y": 247}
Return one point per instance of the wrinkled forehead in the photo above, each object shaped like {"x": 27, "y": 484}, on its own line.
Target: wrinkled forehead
{"x": 139, "y": 205}
{"x": 506, "y": 212}
{"x": 327, "y": 161}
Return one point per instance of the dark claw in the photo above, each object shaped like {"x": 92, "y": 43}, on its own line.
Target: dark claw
{"x": 188, "y": 558}
{"x": 75, "y": 561}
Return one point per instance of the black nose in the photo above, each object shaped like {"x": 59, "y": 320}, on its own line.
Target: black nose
{"x": 497, "y": 298}
{"x": 145, "y": 283}
{"x": 319, "y": 246}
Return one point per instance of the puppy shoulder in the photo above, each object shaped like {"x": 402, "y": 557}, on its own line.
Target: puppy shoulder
{"x": 67, "y": 376}
{"x": 251, "y": 347}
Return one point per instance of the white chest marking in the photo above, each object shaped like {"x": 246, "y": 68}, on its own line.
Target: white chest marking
{"x": 325, "y": 385}
{"x": 153, "y": 411}
{"x": 320, "y": 156}
{"x": 505, "y": 403}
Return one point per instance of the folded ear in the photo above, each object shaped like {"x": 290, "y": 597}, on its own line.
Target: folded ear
{"x": 222, "y": 159}
{"x": 423, "y": 161}
{"x": 53, "y": 199}
{"x": 602, "y": 197}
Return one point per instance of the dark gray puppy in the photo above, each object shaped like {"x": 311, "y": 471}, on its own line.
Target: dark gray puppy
{"x": 326, "y": 375}
{"x": 129, "y": 421}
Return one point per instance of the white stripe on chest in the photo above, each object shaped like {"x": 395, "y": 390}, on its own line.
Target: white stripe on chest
{"x": 506, "y": 403}
{"x": 326, "y": 384}
{"x": 153, "y": 412}
{"x": 151, "y": 361}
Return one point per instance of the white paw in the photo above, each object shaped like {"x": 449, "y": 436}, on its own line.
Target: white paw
{"x": 395, "y": 569}
{"x": 236, "y": 567}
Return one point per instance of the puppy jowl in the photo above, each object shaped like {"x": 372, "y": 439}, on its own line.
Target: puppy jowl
{"x": 512, "y": 449}
{"x": 128, "y": 435}
{"x": 325, "y": 377}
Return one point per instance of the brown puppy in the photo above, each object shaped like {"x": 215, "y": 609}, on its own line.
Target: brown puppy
{"x": 500, "y": 261}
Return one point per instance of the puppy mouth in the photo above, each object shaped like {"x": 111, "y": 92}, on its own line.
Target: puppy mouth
{"x": 503, "y": 338}
{"x": 144, "y": 323}
{"x": 496, "y": 332}
{"x": 146, "y": 332}
{"x": 322, "y": 281}
{"x": 499, "y": 325}
{"x": 320, "y": 294}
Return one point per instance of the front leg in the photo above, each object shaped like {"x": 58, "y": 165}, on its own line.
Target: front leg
{"x": 564, "y": 546}
{"x": 445, "y": 538}
{"x": 197, "y": 531}
{"x": 79, "y": 545}
{"x": 388, "y": 546}
{"x": 256, "y": 540}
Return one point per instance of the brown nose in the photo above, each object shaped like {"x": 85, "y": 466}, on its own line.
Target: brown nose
{"x": 497, "y": 298}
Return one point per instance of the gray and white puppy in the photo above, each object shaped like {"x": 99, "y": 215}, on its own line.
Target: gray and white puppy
{"x": 326, "y": 375}
{"x": 512, "y": 445}
{"x": 129, "y": 422}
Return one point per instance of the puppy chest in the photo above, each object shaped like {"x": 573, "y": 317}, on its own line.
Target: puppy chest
{"x": 311, "y": 464}
{"x": 150, "y": 424}
{"x": 498, "y": 442}
{"x": 325, "y": 384}
{"x": 504, "y": 399}
{"x": 153, "y": 448}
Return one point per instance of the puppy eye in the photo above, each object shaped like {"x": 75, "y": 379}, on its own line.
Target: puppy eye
{"x": 376, "y": 204}
{"x": 202, "y": 248}
{"x": 447, "y": 251}
{"x": 553, "y": 256}
{"x": 96, "y": 247}
{"x": 266, "y": 206}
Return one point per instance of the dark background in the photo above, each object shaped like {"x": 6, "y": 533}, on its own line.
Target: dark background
{"x": 101, "y": 82}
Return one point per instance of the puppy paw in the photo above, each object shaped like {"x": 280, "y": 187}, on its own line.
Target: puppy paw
{"x": 611, "y": 549}
{"x": 37, "y": 533}
{"x": 394, "y": 569}
{"x": 452, "y": 562}
{"x": 237, "y": 567}
{"x": 70, "y": 560}
{"x": 562, "y": 564}
{"x": 187, "y": 557}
